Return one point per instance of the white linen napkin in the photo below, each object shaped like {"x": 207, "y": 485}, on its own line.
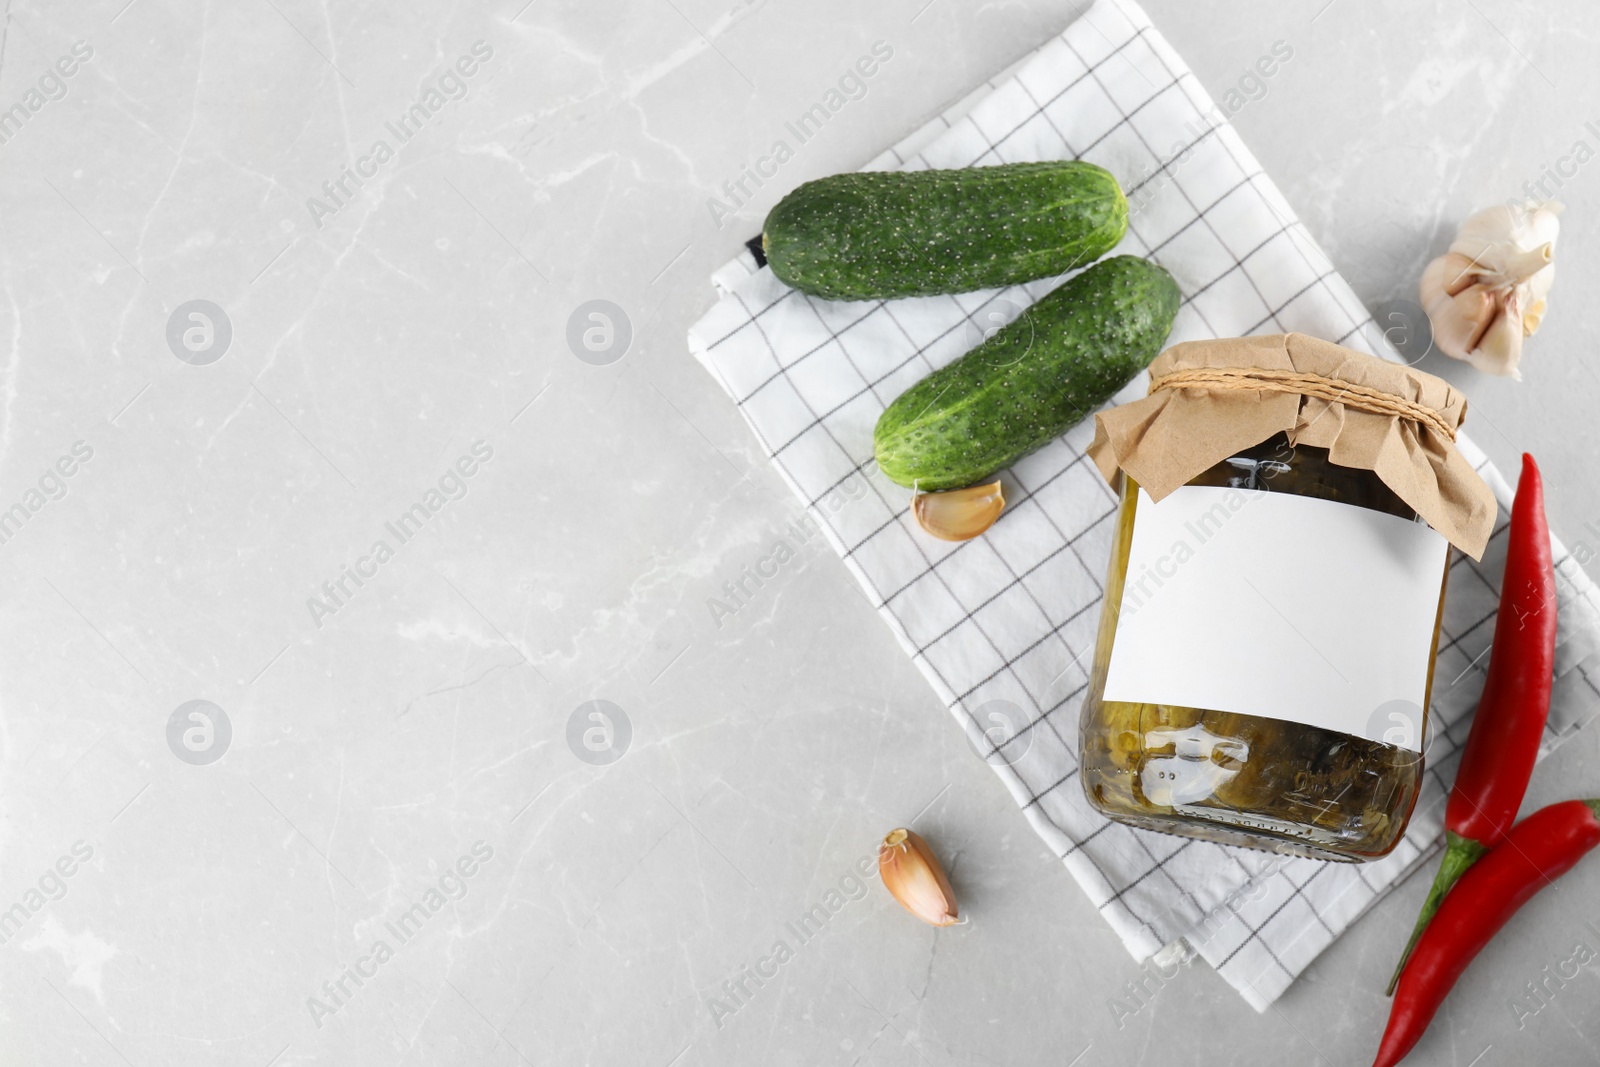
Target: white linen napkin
{"x": 1003, "y": 626}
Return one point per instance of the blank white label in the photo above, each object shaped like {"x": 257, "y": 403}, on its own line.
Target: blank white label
{"x": 1281, "y": 606}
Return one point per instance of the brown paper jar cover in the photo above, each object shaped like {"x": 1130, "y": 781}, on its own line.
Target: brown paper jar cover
{"x": 1369, "y": 413}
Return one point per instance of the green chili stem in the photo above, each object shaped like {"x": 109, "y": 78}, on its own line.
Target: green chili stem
{"x": 1459, "y": 854}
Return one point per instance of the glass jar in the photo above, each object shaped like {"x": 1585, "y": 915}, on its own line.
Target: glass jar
{"x": 1251, "y": 779}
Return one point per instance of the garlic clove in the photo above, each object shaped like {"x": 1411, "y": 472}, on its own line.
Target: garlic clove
{"x": 1532, "y": 317}
{"x": 911, "y": 873}
{"x": 1459, "y": 316}
{"x": 959, "y": 514}
{"x": 1456, "y": 272}
{"x": 1533, "y": 293}
{"x": 1500, "y": 349}
{"x": 1478, "y": 308}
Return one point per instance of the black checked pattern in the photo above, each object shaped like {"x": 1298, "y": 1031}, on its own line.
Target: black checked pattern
{"x": 1013, "y": 614}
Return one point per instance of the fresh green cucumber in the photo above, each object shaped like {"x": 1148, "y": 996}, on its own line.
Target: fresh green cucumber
{"x": 888, "y": 234}
{"x": 1030, "y": 382}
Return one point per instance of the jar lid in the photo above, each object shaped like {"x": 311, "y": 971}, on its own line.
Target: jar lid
{"x": 1212, "y": 399}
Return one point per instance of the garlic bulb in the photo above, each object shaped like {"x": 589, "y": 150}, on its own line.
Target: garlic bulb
{"x": 911, "y": 873}
{"x": 1490, "y": 290}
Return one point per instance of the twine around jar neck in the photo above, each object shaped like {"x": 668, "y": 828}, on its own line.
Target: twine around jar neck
{"x": 1337, "y": 390}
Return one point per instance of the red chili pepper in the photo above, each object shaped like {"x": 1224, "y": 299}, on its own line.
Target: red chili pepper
{"x": 1504, "y": 741}
{"x": 1538, "y": 850}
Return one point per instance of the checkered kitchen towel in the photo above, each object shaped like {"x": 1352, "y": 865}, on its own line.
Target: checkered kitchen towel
{"x": 1011, "y": 616}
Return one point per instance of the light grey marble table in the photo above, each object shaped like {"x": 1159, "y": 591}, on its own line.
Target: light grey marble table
{"x": 383, "y": 757}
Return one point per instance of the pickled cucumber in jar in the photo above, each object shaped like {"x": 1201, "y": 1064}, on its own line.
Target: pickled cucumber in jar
{"x": 1249, "y": 779}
